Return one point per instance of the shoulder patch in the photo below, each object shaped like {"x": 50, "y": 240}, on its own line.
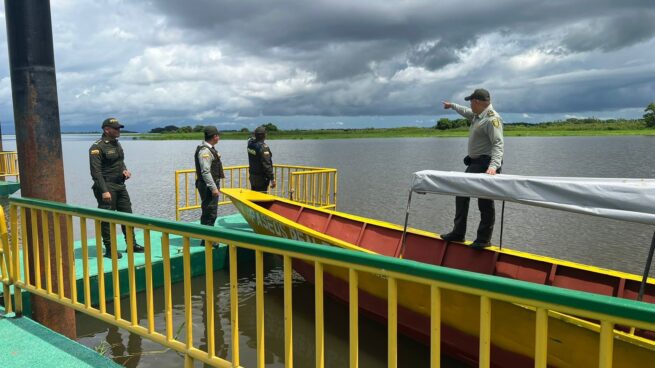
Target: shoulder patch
{"x": 495, "y": 122}
{"x": 491, "y": 113}
{"x": 95, "y": 152}
{"x": 266, "y": 153}
{"x": 206, "y": 155}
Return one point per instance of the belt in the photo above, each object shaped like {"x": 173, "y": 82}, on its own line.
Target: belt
{"x": 115, "y": 179}
{"x": 481, "y": 159}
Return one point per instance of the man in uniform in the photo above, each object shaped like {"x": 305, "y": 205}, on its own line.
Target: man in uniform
{"x": 485, "y": 155}
{"x": 209, "y": 172}
{"x": 260, "y": 160}
{"x": 109, "y": 173}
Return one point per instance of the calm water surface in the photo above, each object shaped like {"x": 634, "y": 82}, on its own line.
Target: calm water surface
{"x": 374, "y": 176}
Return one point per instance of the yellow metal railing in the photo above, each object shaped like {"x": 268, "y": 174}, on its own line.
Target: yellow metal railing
{"x": 9, "y": 164}
{"x": 314, "y": 186}
{"x": 5, "y": 262}
{"x": 398, "y": 277}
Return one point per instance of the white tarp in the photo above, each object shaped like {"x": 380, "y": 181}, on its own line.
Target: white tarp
{"x": 622, "y": 199}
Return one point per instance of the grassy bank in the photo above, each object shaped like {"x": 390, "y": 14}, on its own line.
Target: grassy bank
{"x": 409, "y": 132}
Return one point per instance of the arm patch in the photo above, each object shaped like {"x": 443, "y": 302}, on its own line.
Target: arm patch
{"x": 95, "y": 152}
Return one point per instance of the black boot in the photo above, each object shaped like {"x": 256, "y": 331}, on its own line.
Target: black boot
{"x": 452, "y": 237}
{"x": 480, "y": 244}
{"x": 138, "y": 248}
{"x": 108, "y": 253}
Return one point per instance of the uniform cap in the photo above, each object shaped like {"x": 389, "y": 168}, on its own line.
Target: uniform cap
{"x": 260, "y": 130}
{"x": 112, "y": 123}
{"x": 210, "y": 131}
{"x": 479, "y": 94}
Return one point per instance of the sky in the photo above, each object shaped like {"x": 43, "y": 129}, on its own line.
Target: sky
{"x": 321, "y": 64}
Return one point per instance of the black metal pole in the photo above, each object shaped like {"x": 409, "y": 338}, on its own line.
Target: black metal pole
{"x": 404, "y": 237}
{"x": 649, "y": 260}
{"x": 38, "y": 134}
{"x": 502, "y": 223}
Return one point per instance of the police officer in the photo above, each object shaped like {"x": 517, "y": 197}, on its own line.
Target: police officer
{"x": 209, "y": 172}
{"x": 260, "y": 160}
{"x": 109, "y": 173}
{"x": 485, "y": 155}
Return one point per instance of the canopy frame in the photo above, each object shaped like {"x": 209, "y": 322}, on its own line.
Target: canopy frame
{"x": 568, "y": 207}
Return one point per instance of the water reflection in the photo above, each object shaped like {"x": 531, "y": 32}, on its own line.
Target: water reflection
{"x": 129, "y": 355}
{"x": 132, "y": 351}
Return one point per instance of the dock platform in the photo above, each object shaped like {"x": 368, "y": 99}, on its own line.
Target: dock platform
{"x": 26, "y": 343}
{"x": 24, "y": 336}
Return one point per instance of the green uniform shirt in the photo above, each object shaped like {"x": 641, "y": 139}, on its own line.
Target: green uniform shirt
{"x": 106, "y": 159}
{"x": 485, "y": 134}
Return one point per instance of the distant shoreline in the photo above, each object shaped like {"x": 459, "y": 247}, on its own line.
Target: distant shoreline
{"x": 396, "y": 133}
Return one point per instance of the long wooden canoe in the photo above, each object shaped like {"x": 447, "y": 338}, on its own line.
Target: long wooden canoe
{"x": 573, "y": 342}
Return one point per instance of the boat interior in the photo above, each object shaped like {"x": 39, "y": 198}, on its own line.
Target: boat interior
{"x": 433, "y": 250}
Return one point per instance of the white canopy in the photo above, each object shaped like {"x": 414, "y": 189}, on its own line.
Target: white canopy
{"x": 622, "y": 199}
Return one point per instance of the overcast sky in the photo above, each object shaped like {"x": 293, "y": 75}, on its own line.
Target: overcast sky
{"x": 343, "y": 63}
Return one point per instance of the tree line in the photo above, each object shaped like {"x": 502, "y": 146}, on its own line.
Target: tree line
{"x": 571, "y": 123}
{"x": 270, "y": 127}
{"x": 648, "y": 121}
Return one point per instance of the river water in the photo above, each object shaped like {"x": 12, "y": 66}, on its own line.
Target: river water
{"x": 374, "y": 176}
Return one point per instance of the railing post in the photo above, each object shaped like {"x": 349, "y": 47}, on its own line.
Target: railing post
{"x": 259, "y": 301}
{"x": 541, "y": 338}
{"x": 288, "y": 313}
{"x": 485, "y": 332}
{"x": 177, "y": 197}
{"x": 353, "y": 281}
{"x": 606, "y": 348}
{"x": 392, "y": 321}
{"x": 234, "y": 305}
{"x": 435, "y": 326}
{"x": 319, "y": 319}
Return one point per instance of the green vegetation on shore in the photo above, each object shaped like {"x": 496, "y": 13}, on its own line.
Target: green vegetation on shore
{"x": 444, "y": 128}
{"x": 571, "y": 127}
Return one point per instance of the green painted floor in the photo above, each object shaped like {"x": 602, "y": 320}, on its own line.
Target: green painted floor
{"x": 20, "y": 338}
{"x": 26, "y": 343}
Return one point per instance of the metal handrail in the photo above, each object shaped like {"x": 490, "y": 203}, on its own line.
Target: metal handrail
{"x": 9, "y": 164}
{"x": 545, "y": 301}
{"x": 289, "y": 178}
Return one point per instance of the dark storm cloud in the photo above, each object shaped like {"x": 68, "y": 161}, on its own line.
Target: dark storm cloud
{"x": 611, "y": 33}
{"x": 212, "y": 59}
{"x": 304, "y": 27}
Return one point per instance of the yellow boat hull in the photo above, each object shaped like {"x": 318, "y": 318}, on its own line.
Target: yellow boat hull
{"x": 572, "y": 342}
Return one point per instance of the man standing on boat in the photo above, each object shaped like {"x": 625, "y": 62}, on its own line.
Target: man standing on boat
{"x": 485, "y": 155}
{"x": 260, "y": 160}
{"x": 209, "y": 172}
{"x": 109, "y": 173}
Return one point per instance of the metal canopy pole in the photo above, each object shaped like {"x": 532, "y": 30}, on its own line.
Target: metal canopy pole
{"x": 502, "y": 222}
{"x": 402, "y": 243}
{"x": 642, "y": 287}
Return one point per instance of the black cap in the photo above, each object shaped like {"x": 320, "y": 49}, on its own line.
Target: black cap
{"x": 479, "y": 94}
{"x": 210, "y": 131}
{"x": 112, "y": 123}
{"x": 260, "y": 130}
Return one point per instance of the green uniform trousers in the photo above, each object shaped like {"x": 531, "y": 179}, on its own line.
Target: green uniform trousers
{"x": 120, "y": 201}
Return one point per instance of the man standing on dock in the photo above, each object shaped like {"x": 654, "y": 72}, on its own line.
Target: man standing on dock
{"x": 260, "y": 159}
{"x": 209, "y": 172}
{"x": 109, "y": 173}
{"x": 485, "y": 155}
